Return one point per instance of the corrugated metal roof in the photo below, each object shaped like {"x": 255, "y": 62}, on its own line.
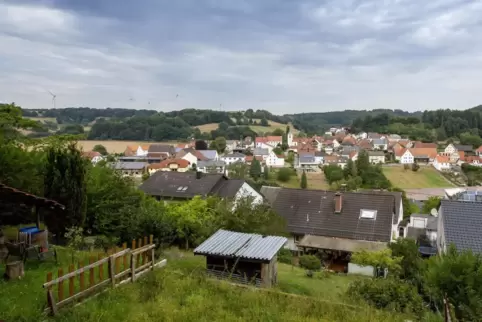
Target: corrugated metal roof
{"x": 233, "y": 244}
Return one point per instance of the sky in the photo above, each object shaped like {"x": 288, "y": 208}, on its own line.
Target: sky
{"x": 284, "y": 56}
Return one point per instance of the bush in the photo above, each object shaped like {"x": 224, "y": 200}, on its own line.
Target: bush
{"x": 415, "y": 167}
{"x": 406, "y": 167}
{"x": 310, "y": 262}
{"x": 284, "y": 174}
{"x": 387, "y": 293}
{"x": 285, "y": 256}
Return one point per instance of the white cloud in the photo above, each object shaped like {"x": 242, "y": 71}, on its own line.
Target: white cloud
{"x": 342, "y": 54}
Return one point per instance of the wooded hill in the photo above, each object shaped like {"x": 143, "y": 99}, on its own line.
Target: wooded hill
{"x": 127, "y": 124}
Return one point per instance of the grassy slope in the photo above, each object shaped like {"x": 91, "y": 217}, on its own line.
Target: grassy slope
{"x": 425, "y": 177}
{"x": 181, "y": 293}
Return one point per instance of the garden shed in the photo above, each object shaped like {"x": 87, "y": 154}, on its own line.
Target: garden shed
{"x": 243, "y": 258}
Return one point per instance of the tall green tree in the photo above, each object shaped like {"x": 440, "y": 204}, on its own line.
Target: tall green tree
{"x": 219, "y": 144}
{"x": 304, "y": 181}
{"x": 362, "y": 162}
{"x": 65, "y": 182}
{"x": 350, "y": 169}
{"x": 255, "y": 169}
{"x": 100, "y": 148}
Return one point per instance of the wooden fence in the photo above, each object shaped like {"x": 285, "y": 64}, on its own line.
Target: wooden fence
{"x": 119, "y": 267}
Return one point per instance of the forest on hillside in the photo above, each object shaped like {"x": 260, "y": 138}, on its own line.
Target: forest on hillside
{"x": 438, "y": 125}
{"x": 126, "y": 124}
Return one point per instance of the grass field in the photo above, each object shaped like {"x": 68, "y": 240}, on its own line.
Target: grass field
{"x": 181, "y": 292}
{"x": 425, "y": 177}
{"x": 43, "y": 119}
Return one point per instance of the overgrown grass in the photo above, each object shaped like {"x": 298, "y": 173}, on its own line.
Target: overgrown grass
{"x": 25, "y": 299}
{"x": 181, "y": 292}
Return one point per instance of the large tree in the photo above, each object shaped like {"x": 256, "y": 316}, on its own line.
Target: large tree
{"x": 65, "y": 182}
{"x": 255, "y": 169}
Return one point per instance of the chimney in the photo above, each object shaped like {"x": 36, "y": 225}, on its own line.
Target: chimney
{"x": 338, "y": 202}
{"x": 199, "y": 174}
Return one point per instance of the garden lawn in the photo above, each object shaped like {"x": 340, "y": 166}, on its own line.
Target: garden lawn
{"x": 425, "y": 177}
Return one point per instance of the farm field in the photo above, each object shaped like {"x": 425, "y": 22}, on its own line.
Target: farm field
{"x": 43, "y": 119}
{"x": 114, "y": 146}
{"x": 425, "y": 177}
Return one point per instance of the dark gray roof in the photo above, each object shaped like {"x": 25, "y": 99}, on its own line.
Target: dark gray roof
{"x": 209, "y": 154}
{"x": 398, "y": 201}
{"x": 232, "y": 244}
{"x": 376, "y": 153}
{"x": 379, "y": 141}
{"x": 465, "y": 148}
{"x": 307, "y": 159}
{"x": 227, "y": 188}
{"x": 171, "y": 184}
{"x": 320, "y": 153}
{"x": 270, "y": 193}
{"x": 462, "y": 224}
{"x": 312, "y": 212}
{"x": 211, "y": 163}
{"x": 129, "y": 165}
{"x": 161, "y": 148}
{"x": 234, "y": 155}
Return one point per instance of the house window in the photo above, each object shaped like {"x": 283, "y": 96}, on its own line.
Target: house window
{"x": 297, "y": 238}
{"x": 368, "y": 214}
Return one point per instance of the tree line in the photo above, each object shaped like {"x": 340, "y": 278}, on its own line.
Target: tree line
{"x": 439, "y": 125}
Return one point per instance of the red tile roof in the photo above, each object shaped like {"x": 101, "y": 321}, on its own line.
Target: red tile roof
{"x": 181, "y": 163}
{"x": 266, "y": 139}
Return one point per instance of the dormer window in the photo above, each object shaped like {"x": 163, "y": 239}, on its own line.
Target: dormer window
{"x": 368, "y": 214}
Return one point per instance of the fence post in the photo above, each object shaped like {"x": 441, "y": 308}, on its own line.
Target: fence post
{"x": 133, "y": 268}
{"x": 152, "y": 259}
{"x": 60, "y": 285}
{"x": 124, "y": 258}
{"x": 112, "y": 270}
{"x": 82, "y": 279}
{"x": 117, "y": 261}
{"x": 50, "y": 296}
{"x": 144, "y": 255}
{"x": 101, "y": 268}
{"x": 91, "y": 272}
{"x": 71, "y": 281}
{"x": 138, "y": 256}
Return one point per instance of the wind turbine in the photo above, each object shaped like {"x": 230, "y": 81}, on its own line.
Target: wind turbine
{"x": 53, "y": 98}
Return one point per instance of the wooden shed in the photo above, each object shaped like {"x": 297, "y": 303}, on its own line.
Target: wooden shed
{"x": 243, "y": 258}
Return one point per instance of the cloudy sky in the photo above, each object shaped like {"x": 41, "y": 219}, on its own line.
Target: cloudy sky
{"x": 285, "y": 56}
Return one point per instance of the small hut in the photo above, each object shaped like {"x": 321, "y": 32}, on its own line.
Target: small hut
{"x": 19, "y": 207}
{"x": 243, "y": 258}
